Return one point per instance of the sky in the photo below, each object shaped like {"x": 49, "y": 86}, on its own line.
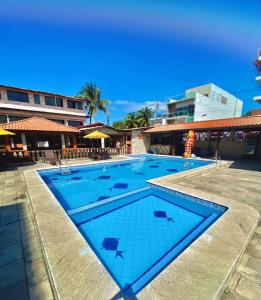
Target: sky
{"x": 138, "y": 52}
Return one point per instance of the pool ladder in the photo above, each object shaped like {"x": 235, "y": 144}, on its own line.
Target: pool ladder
{"x": 66, "y": 170}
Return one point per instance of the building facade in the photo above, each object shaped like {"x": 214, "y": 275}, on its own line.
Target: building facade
{"x": 17, "y": 104}
{"x": 206, "y": 102}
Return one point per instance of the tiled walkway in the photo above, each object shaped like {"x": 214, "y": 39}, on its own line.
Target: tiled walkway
{"x": 22, "y": 270}
{"x": 242, "y": 185}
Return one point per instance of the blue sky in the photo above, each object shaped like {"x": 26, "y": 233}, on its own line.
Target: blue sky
{"x": 138, "y": 52}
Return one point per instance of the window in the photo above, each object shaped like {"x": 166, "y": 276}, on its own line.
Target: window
{"x": 185, "y": 110}
{"x": 223, "y": 100}
{"x": 59, "y": 102}
{"x": 57, "y": 121}
{"x": 36, "y": 99}
{"x": 53, "y": 101}
{"x": 75, "y": 123}
{"x": 16, "y": 118}
{"x": 3, "y": 119}
{"x": 74, "y": 104}
{"x": 17, "y": 96}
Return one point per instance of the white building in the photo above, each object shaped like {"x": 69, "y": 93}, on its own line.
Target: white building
{"x": 206, "y": 102}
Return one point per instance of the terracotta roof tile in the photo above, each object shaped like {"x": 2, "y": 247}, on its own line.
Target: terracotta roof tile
{"x": 38, "y": 124}
{"x": 244, "y": 122}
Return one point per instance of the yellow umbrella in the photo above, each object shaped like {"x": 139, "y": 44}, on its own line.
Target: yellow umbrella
{"x": 96, "y": 135}
{"x": 5, "y": 132}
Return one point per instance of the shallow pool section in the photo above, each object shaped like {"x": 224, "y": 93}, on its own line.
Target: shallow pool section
{"x": 138, "y": 234}
{"x": 93, "y": 183}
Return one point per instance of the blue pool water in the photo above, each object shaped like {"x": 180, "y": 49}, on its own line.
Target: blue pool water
{"x": 138, "y": 229}
{"x": 88, "y": 184}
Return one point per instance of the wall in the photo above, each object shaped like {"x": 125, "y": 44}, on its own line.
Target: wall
{"x": 209, "y": 109}
{"x": 139, "y": 146}
{"x": 31, "y": 109}
{"x": 227, "y": 149}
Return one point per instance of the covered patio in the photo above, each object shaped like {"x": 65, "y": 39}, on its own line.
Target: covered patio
{"x": 123, "y": 136}
{"x": 233, "y": 138}
{"x": 33, "y": 136}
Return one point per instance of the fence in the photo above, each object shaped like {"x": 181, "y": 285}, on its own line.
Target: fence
{"x": 68, "y": 153}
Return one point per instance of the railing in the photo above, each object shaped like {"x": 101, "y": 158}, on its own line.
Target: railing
{"x": 68, "y": 153}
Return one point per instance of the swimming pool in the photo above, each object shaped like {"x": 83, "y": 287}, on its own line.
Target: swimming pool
{"x": 138, "y": 235}
{"x": 91, "y": 183}
{"x": 138, "y": 229}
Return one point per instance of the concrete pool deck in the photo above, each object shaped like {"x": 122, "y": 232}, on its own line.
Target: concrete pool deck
{"x": 69, "y": 284}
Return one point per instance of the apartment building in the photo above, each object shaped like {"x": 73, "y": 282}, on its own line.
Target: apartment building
{"x": 206, "y": 102}
{"x": 18, "y": 103}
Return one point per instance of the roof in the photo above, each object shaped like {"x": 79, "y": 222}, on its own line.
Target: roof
{"x": 245, "y": 122}
{"x": 256, "y": 112}
{"x": 41, "y": 92}
{"x": 37, "y": 124}
{"x": 97, "y": 124}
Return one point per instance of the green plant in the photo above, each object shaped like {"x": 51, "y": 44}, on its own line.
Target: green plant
{"x": 92, "y": 94}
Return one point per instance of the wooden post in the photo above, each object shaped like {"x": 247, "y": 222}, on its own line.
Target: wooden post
{"x": 63, "y": 141}
{"x": 8, "y": 146}
{"x": 74, "y": 142}
{"x": 217, "y": 145}
{"x": 23, "y": 141}
{"x": 172, "y": 144}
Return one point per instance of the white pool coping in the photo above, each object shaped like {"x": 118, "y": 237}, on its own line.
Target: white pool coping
{"x": 200, "y": 272}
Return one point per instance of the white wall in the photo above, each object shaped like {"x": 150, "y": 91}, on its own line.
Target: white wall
{"x": 209, "y": 109}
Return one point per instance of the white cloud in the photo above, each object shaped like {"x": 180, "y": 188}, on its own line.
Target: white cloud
{"x": 126, "y": 106}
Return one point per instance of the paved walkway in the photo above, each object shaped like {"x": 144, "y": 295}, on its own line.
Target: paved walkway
{"x": 241, "y": 182}
{"x": 22, "y": 270}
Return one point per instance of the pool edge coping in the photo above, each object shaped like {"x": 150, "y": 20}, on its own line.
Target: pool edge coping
{"x": 38, "y": 205}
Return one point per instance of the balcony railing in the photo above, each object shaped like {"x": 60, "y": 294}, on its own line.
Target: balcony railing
{"x": 182, "y": 97}
{"x": 177, "y": 114}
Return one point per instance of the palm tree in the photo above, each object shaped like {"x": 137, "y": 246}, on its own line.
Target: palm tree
{"x": 92, "y": 94}
{"x": 131, "y": 121}
{"x": 143, "y": 117}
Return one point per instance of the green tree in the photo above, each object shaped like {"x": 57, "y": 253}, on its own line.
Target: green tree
{"x": 131, "y": 121}
{"x": 143, "y": 117}
{"x": 119, "y": 125}
{"x": 92, "y": 94}
{"x": 249, "y": 113}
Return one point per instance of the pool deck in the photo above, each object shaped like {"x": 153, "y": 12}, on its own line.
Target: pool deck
{"x": 53, "y": 262}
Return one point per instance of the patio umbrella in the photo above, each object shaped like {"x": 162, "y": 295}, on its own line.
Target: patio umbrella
{"x": 5, "y": 132}
{"x": 96, "y": 135}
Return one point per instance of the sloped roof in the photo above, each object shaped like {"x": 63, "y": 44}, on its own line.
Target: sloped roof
{"x": 37, "y": 124}
{"x": 244, "y": 122}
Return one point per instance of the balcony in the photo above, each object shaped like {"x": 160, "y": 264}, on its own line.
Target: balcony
{"x": 182, "y": 97}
